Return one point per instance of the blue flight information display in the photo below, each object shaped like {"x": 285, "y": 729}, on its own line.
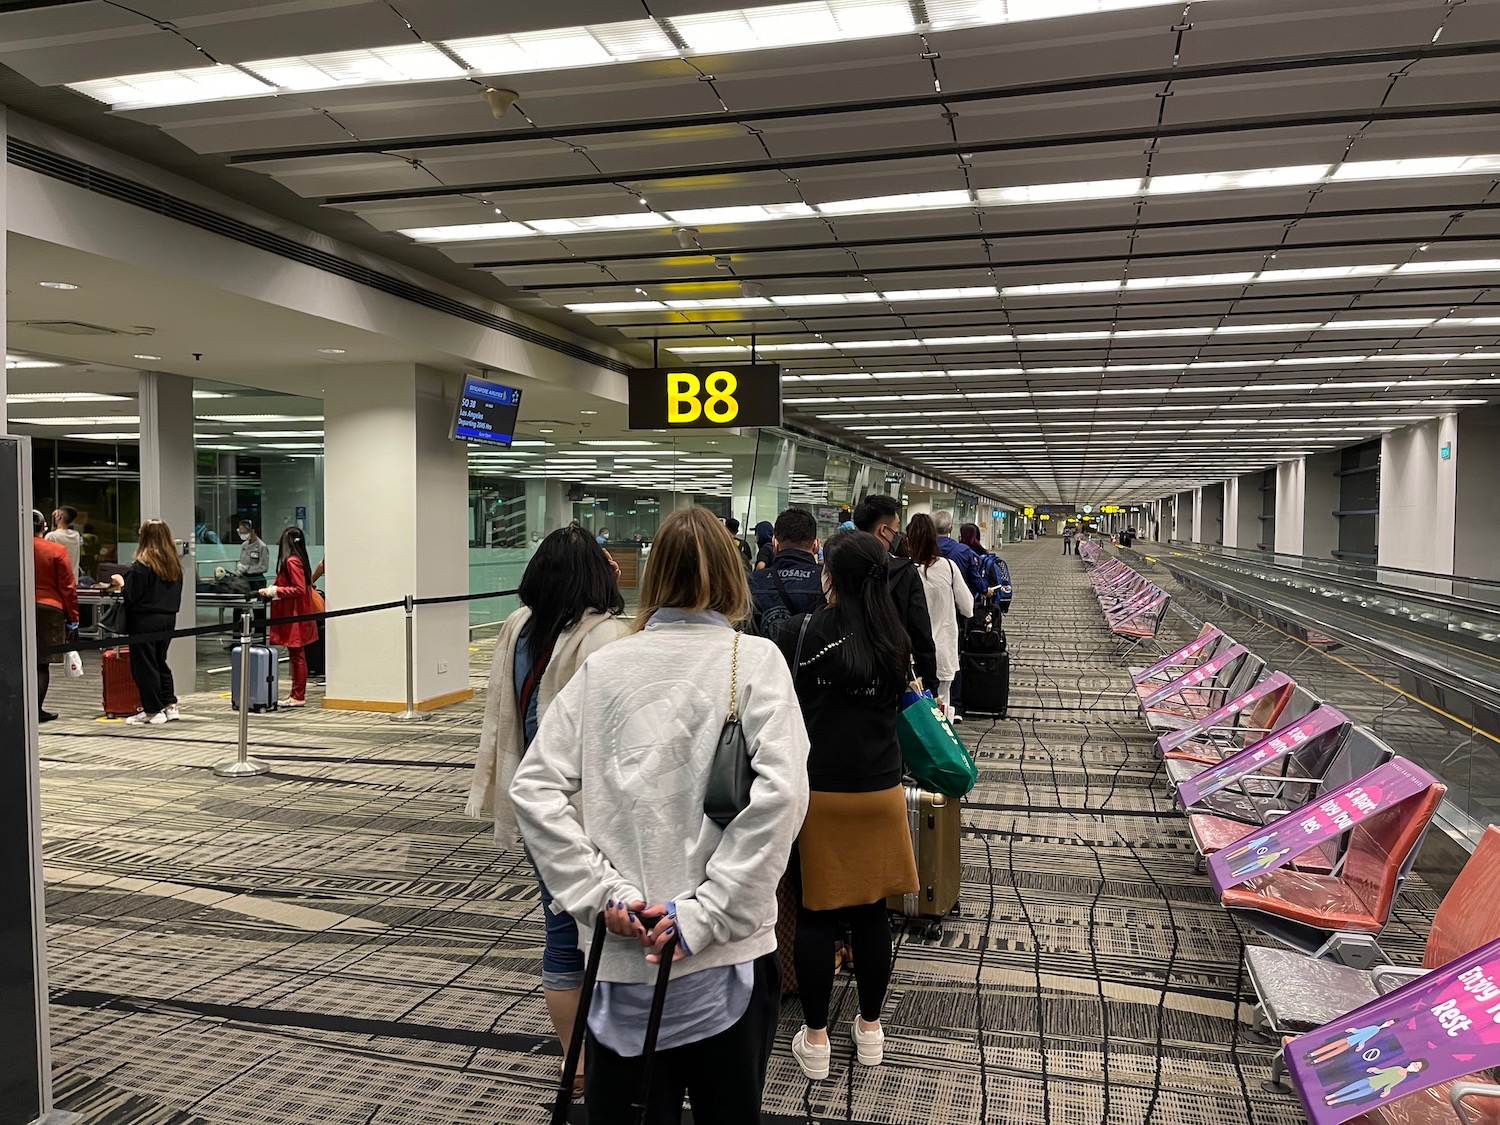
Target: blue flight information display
{"x": 486, "y": 412}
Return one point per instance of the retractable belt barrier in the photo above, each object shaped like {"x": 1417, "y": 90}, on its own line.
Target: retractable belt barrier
{"x": 124, "y": 640}
{"x": 243, "y": 765}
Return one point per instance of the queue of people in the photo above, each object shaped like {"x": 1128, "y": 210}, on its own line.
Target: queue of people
{"x": 597, "y": 747}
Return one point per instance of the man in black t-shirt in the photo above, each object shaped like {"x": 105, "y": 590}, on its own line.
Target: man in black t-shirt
{"x": 793, "y": 582}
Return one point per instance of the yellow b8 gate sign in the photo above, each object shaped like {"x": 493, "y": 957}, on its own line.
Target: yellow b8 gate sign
{"x": 705, "y": 398}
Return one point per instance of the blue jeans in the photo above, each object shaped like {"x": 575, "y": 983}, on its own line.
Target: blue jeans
{"x": 562, "y": 960}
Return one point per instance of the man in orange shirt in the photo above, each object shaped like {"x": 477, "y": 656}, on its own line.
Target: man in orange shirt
{"x": 56, "y": 606}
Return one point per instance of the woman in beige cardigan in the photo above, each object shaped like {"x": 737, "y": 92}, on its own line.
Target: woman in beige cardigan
{"x": 570, "y": 606}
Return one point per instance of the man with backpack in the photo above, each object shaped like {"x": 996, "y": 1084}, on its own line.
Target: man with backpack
{"x": 793, "y": 582}
{"x": 880, "y": 515}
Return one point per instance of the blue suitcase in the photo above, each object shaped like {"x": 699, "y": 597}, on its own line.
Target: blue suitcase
{"x": 265, "y": 678}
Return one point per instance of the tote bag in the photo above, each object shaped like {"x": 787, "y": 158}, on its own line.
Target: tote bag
{"x": 935, "y": 757}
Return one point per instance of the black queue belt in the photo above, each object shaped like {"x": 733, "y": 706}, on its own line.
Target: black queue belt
{"x": 98, "y": 644}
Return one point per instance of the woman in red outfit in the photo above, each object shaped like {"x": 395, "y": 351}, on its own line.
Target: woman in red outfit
{"x": 291, "y": 597}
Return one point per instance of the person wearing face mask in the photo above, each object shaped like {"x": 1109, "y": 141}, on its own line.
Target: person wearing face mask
{"x": 880, "y": 515}
{"x": 255, "y": 553}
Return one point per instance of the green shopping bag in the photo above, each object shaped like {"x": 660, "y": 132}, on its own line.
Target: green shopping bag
{"x": 935, "y": 757}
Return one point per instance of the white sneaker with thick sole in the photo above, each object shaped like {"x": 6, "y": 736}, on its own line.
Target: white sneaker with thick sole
{"x": 869, "y": 1046}
{"x": 813, "y": 1058}
{"x": 171, "y": 713}
{"x": 141, "y": 719}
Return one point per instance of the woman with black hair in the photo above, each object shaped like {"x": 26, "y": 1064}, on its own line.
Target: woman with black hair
{"x": 855, "y": 847}
{"x": 570, "y": 608}
{"x": 291, "y": 596}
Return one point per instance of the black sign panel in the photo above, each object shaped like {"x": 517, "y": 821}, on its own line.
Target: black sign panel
{"x": 705, "y": 398}
{"x": 486, "y": 412}
{"x": 23, "y": 1079}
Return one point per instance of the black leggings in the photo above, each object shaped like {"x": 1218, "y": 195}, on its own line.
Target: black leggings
{"x": 148, "y": 663}
{"x": 818, "y": 934}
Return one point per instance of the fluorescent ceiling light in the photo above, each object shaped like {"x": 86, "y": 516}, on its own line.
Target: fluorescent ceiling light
{"x": 260, "y": 418}
{"x": 26, "y": 363}
{"x": 62, "y": 396}
{"x": 95, "y": 420}
{"x": 97, "y": 436}
{"x": 378, "y": 66}
{"x": 731, "y": 31}
{"x": 1058, "y": 193}
{"x": 469, "y": 232}
{"x": 1020, "y": 195}
{"x": 918, "y": 201}
{"x": 276, "y": 434}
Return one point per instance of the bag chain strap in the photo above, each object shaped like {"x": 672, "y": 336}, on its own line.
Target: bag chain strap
{"x": 734, "y": 680}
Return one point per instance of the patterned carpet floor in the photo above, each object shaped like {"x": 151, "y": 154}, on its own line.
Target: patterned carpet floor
{"x": 336, "y": 943}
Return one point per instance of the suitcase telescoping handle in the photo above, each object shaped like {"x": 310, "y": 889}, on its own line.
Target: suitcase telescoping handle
{"x": 653, "y": 1026}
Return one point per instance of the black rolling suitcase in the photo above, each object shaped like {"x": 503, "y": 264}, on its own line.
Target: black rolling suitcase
{"x": 564, "y": 1100}
{"x": 985, "y": 664}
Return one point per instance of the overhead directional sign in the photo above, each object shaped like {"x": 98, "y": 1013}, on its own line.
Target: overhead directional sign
{"x": 705, "y": 398}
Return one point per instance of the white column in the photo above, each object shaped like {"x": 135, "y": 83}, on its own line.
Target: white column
{"x": 1476, "y": 460}
{"x": 1418, "y": 496}
{"x": 1232, "y": 512}
{"x": 546, "y": 509}
{"x": 1291, "y": 495}
{"x": 397, "y": 524}
{"x": 1199, "y": 535}
{"x": 167, "y": 467}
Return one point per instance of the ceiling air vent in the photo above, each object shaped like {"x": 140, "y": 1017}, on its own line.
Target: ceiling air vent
{"x": 76, "y": 328}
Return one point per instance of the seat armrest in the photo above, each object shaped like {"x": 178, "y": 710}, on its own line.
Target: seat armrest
{"x": 1388, "y": 977}
{"x": 1460, "y": 1090}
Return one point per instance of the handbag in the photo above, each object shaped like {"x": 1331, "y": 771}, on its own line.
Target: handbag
{"x": 934, "y": 756}
{"x": 110, "y": 621}
{"x": 730, "y": 775}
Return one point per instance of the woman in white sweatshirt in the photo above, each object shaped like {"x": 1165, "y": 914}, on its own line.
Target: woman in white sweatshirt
{"x": 570, "y": 606}
{"x": 948, "y": 599}
{"x": 632, "y": 737}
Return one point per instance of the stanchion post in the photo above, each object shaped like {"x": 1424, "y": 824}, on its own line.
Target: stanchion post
{"x": 411, "y": 714}
{"x": 242, "y": 765}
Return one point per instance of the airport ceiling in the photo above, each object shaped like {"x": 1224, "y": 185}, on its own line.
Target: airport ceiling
{"x": 1064, "y": 250}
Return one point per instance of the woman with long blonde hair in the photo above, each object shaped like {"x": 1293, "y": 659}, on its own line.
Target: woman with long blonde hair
{"x": 610, "y": 798}
{"x": 153, "y": 595}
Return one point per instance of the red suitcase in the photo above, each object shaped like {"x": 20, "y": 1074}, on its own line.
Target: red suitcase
{"x": 120, "y": 695}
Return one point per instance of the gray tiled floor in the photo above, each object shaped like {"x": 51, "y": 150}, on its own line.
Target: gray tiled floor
{"x": 337, "y": 943}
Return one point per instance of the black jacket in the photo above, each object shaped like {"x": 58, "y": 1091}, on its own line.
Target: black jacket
{"x": 146, "y": 595}
{"x": 802, "y": 577}
{"x": 911, "y": 604}
{"x": 851, "y": 724}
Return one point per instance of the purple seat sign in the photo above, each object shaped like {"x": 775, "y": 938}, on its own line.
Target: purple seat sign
{"x": 1439, "y": 1027}
{"x": 1185, "y": 653}
{"x": 1329, "y": 815}
{"x": 1258, "y": 755}
{"x": 1199, "y": 675}
{"x": 1173, "y": 739}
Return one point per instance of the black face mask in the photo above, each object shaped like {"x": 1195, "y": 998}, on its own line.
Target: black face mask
{"x": 898, "y": 546}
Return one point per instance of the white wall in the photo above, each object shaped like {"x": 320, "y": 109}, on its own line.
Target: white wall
{"x": 1476, "y": 459}
{"x": 1418, "y": 497}
{"x": 1291, "y": 497}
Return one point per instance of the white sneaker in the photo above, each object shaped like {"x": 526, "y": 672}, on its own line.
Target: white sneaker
{"x": 812, "y": 1057}
{"x": 171, "y": 713}
{"x": 141, "y": 719}
{"x": 957, "y": 719}
{"x": 869, "y": 1046}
